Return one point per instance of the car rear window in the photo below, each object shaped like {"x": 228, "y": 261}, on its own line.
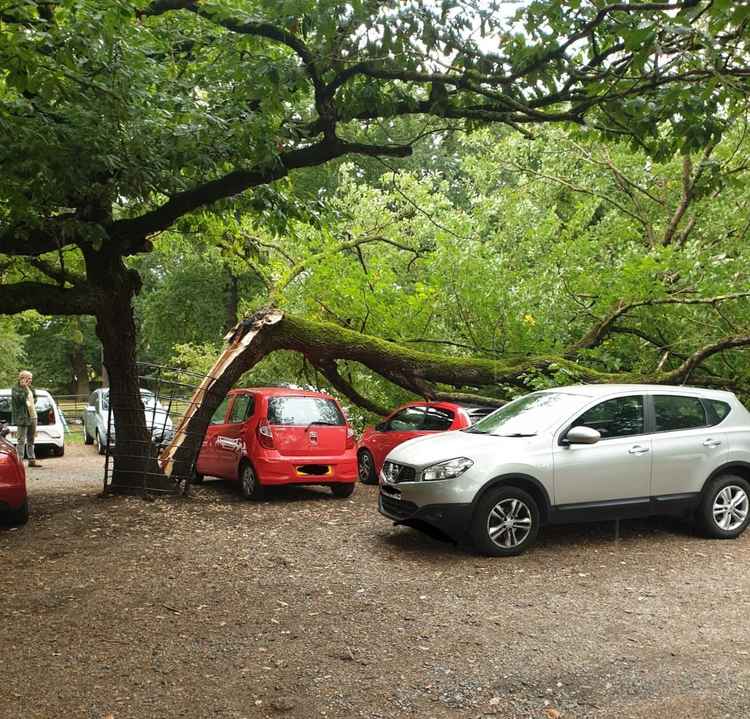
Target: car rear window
{"x": 304, "y": 411}
{"x": 45, "y": 414}
{"x": 674, "y": 412}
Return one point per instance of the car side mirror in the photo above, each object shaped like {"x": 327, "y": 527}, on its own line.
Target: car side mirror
{"x": 582, "y": 435}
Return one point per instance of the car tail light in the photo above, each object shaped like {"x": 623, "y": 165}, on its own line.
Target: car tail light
{"x": 349, "y": 437}
{"x": 265, "y": 435}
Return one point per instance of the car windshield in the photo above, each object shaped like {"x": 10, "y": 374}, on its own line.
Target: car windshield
{"x": 147, "y": 397}
{"x": 528, "y": 415}
{"x": 304, "y": 411}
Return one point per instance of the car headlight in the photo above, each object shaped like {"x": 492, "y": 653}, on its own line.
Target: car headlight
{"x": 449, "y": 469}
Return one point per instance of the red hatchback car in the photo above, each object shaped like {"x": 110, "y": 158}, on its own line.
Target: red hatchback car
{"x": 406, "y": 422}
{"x": 267, "y": 436}
{"x": 14, "y": 506}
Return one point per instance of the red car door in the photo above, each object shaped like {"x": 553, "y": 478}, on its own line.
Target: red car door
{"x": 208, "y": 460}
{"x": 230, "y": 444}
{"x": 404, "y": 424}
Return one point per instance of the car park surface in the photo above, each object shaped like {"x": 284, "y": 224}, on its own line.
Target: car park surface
{"x": 306, "y": 606}
{"x": 578, "y": 453}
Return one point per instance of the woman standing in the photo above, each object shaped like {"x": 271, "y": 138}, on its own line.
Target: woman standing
{"x": 24, "y": 416}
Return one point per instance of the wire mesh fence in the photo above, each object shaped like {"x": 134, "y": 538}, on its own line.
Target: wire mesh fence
{"x": 167, "y": 394}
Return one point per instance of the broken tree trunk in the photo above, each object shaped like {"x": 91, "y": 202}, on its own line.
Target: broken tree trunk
{"x": 323, "y": 343}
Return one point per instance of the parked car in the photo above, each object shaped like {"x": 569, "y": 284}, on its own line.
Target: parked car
{"x": 14, "y": 504}
{"x": 268, "y": 436}
{"x": 50, "y": 423}
{"x": 407, "y": 422}
{"x": 99, "y": 422}
{"x": 577, "y": 453}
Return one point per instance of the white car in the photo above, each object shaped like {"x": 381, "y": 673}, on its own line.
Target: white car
{"x": 99, "y": 421}
{"x": 50, "y": 424}
{"x": 587, "y": 452}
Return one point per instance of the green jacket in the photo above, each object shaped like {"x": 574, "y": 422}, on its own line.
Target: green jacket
{"x": 19, "y": 409}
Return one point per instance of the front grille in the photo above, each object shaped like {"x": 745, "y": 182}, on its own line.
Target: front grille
{"x": 399, "y": 508}
{"x": 395, "y": 473}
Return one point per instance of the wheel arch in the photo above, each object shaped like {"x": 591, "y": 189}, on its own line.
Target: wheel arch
{"x": 741, "y": 469}
{"x": 522, "y": 481}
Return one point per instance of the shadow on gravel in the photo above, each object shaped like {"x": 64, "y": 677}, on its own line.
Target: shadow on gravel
{"x": 224, "y": 490}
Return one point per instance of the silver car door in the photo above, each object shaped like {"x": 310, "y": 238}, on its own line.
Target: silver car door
{"x": 686, "y": 449}
{"x": 617, "y": 467}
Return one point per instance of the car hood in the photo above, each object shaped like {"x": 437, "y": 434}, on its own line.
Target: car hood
{"x": 431, "y": 449}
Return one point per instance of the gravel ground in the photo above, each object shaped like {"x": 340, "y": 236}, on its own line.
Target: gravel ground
{"x": 310, "y": 606}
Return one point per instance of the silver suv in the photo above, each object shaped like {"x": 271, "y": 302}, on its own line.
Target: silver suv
{"x": 588, "y": 452}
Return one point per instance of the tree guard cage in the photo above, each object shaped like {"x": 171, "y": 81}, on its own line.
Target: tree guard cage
{"x": 167, "y": 394}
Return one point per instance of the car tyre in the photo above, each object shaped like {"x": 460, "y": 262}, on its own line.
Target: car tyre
{"x": 87, "y": 438}
{"x": 17, "y": 517}
{"x": 100, "y": 448}
{"x": 505, "y": 523}
{"x": 342, "y": 491}
{"x": 366, "y": 468}
{"x": 58, "y": 451}
{"x": 249, "y": 484}
{"x": 724, "y": 511}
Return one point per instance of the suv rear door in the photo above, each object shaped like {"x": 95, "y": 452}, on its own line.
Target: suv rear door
{"x": 306, "y": 426}
{"x": 686, "y": 445}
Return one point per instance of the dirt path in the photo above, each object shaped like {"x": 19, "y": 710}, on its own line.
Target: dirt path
{"x": 309, "y": 606}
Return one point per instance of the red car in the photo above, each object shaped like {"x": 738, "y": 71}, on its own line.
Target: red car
{"x": 14, "y": 506}
{"x": 267, "y": 436}
{"x": 409, "y": 421}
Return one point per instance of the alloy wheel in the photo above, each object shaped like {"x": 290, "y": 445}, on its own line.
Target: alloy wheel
{"x": 365, "y": 467}
{"x": 509, "y": 523}
{"x": 731, "y": 507}
{"x": 248, "y": 481}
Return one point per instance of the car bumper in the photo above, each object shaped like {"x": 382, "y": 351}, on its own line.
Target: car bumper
{"x": 42, "y": 438}
{"x": 12, "y": 496}
{"x": 294, "y": 470}
{"x": 452, "y": 520}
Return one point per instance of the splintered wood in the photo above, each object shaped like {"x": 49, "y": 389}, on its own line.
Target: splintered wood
{"x": 239, "y": 339}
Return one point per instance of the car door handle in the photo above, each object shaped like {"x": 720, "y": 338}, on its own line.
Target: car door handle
{"x": 712, "y": 442}
{"x": 637, "y": 449}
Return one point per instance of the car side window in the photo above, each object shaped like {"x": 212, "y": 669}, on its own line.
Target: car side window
{"x": 619, "y": 417}
{"x": 220, "y": 413}
{"x": 408, "y": 419}
{"x": 436, "y": 419}
{"x": 241, "y": 409}
{"x": 675, "y": 412}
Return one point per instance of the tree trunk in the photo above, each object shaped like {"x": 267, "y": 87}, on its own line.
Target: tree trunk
{"x": 80, "y": 368}
{"x": 134, "y": 468}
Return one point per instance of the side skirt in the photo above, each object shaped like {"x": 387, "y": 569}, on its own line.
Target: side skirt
{"x": 631, "y": 508}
